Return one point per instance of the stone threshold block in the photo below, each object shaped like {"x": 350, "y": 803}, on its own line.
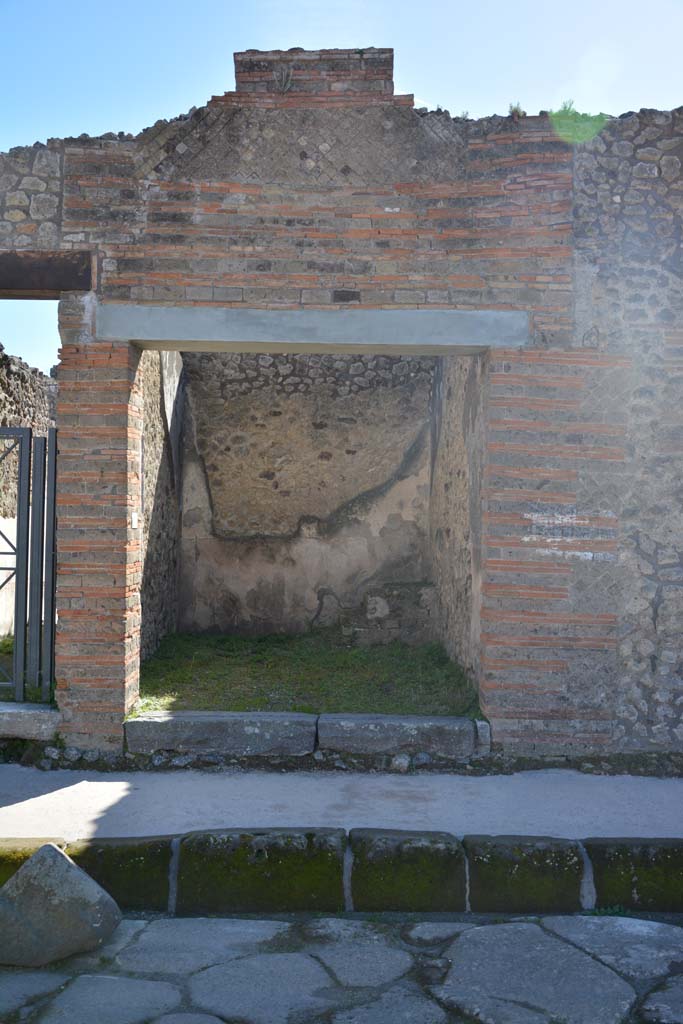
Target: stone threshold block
{"x": 261, "y": 871}
{"x": 407, "y": 871}
{"x": 441, "y": 738}
{"x": 640, "y": 874}
{"x": 28, "y": 721}
{"x": 523, "y": 874}
{"x": 235, "y": 733}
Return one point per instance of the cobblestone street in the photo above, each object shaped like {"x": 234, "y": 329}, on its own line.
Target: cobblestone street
{"x": 551, "y": 970}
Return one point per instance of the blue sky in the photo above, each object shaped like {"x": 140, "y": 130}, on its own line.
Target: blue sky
{"x": 69, "y": 68}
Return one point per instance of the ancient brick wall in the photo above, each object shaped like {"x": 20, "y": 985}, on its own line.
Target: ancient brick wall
{"x": 322, "y": 189}
{"x": 306, "y": 483}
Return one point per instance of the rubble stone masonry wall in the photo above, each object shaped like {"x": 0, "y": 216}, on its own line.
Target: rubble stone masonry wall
{"x": 161, "y": 513}
{"x": 27, "y": 399}
{"x": 306, "y": 481}
{"x": 336, "y": 196}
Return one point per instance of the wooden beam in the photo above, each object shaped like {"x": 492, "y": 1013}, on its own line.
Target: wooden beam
{"x": 44, "y": 275}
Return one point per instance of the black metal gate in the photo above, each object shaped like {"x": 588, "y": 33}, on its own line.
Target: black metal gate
{"x": 29, "y": 560}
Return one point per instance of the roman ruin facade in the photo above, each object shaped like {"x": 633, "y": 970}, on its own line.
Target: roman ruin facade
{"x": 527, "y": 470}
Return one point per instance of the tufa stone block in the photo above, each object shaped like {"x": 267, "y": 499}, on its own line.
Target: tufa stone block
{"x": 261, "y": 871}
{"x": 524, "y": 874}
{"x": 407, "y": 871}
{"x": 641, "y": 874}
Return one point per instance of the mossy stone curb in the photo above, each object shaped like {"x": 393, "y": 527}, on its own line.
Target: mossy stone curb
{"x": 134, "y": 872}
{"x": 524, "y": 874}
{"x": 640, "y": 874}
{"x": 407, "y": 871}
{"x": 13, "y": 853}
{"x": 261, "y": 871}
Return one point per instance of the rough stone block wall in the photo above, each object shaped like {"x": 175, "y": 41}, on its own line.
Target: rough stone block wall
{"x": 27, "y": 399}
{"x": 161, "y": 513}
{"x": 31, "y": 189}
{"x": 629, "y": 267}
{"x": 306, "y": 483}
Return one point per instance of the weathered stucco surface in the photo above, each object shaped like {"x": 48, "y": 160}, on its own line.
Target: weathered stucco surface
{"x": 305, "y": 488}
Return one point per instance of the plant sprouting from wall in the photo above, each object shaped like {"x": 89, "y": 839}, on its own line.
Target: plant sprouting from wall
{"x": 574, "y": 127}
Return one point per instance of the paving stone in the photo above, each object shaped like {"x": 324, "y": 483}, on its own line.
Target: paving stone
{"x": 518, "y": 974}
{"x": 264, "y": 989}
{"x": 433, "y": 933}
{"x": 16, "y": 988}
{"x": 51, "y": 909}
{"x": 666, "y": 1006}
{"x": 180, "y": 946}
{"x": 449, "y": 738}
{"x": 188, "y": 1018}
{"x": 362, "y": 956}
{"x": 111, "y": 1000}
{"x": 124, "y": 934}
{"x": 402, "y": 1004}
{"x": 642, "y": 950}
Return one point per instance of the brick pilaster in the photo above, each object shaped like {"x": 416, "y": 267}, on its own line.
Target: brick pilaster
{"x": 99, "y": 414}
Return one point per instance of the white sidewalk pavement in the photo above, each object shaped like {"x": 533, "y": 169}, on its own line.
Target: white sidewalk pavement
{"x": 78, "y": 805}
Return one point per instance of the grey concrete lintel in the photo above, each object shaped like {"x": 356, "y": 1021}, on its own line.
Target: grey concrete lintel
{"x": 395, "y": 331}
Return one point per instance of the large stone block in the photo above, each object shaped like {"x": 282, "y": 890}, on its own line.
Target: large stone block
{"x": 135, "y": 872}
{"x": 441, "y": 737}
{"x": 233, "y": 733}
{"x": 407, "y": 871}
{"x": 15, "y": 852}
{"x": 643, "y": 874}
{"x": 51, "y": 909}
{"x": 257, "y": 871}
{"x": 523, "y": 874}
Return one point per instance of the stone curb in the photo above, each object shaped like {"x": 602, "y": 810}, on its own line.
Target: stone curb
{"x": 230, "y": 871}
{"x": 524, "y": 874}
{"x": 643, "y": 874}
